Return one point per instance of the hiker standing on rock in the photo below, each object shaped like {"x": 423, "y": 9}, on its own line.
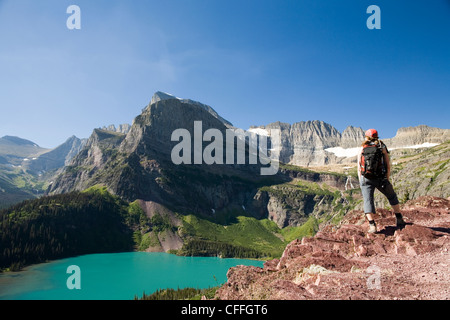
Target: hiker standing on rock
{"x": 374, "y": 169}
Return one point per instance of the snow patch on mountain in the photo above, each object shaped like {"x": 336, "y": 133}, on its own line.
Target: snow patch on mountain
{"x": 259, "y": 131}
{"x": 342, "y": 152}
{"x": 353, "y": 152}
{"x": 418, "y": 146}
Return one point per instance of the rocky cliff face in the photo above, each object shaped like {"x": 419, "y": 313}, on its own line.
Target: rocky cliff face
{"x": 304, "y": 143}
{"x": 122, "y": 128}
{"x": 25, "y": 168}
{"x": 88, "y": 163}
{"x": 351, "y": 137}
{"x": 56, "y": 158}
{"x": 415, "y": 136}
{"x": 138, "y": 165}
{"x": 316, "y": 143}
{"x": 348, "y": 263}
{"x": 160, "y": 96}
{"x": 423, "y": 173}
{"x": 306, "y": 194}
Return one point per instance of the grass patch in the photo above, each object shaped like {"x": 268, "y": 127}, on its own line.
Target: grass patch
{"x": 308, "y": 229}
{"x": 249, "y": 236}
{"x": 247, "y": 232}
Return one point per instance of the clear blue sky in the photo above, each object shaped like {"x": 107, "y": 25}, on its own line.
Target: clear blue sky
{"x": 253, "y": 61}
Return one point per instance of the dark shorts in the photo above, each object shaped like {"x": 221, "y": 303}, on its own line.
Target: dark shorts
{"x": 368, "y": 187}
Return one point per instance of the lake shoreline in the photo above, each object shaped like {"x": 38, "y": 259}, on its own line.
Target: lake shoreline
{"x": 112, "y": 276}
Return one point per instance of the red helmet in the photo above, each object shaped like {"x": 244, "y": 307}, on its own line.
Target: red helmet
{"x": 372, "y": 133}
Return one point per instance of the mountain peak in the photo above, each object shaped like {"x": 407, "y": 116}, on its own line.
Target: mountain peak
{"x": 160, "y": 96}
{"x": 18, "y": 141}
{"x": 19, "y": 148}
{"x": 122, "y": 128}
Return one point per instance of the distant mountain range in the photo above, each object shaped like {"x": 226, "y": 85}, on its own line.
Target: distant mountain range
{"x": 316, "y": 143}
{"x": 14, "y": 150}
{"x": 26, "y": 168}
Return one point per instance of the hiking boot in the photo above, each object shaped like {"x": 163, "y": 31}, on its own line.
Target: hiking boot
{"x": 400, "y": 222}
{"x": 372, "y": 228}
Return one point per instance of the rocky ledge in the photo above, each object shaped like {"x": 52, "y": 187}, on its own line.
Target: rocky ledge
{"x": 346, "y": 262}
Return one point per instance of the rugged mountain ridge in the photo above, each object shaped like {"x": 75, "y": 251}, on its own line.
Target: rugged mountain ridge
{"x": 414, "y": 136}
{"x": 57, "y": 157}
{"x": 138, "y": 165}
{"x": 13, "y": 150}
{"x": 316, "y": 143}
{"x": 159, "y": 96}
{"x": 348, "y": 263}
{"x": 121, "y": 128}
{"x": 304, "y": 143}
{"x": 25, "y": 168}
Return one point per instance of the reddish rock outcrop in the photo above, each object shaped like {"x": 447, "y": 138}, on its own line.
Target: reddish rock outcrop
{"x": 346, "y": 262}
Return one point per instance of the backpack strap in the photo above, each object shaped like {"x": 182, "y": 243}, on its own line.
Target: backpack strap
{"x": 384, "y": 146}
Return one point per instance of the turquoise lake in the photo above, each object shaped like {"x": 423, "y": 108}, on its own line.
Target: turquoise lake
{"x": 116, "y": 276}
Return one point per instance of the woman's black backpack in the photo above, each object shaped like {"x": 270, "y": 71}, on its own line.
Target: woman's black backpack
{"x": 372, "y": 162}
